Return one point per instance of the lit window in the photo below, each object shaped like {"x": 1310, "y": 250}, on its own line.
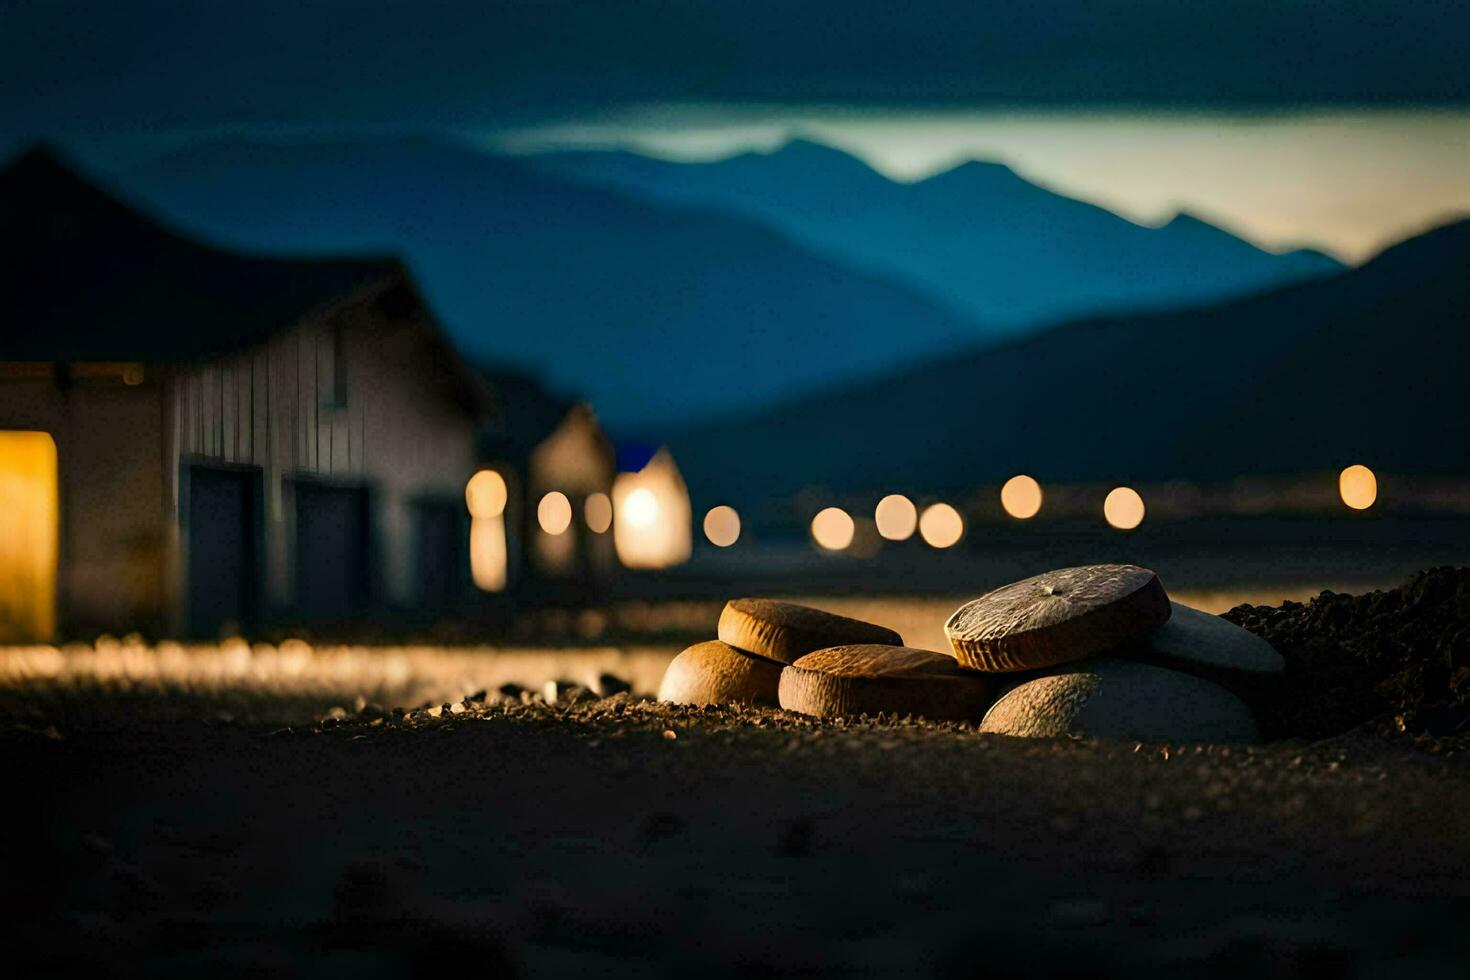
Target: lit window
{"x": 598, "y": 512}
{"x": 554, "y": 513}
{"x": 485, "y": 495}
{"x": 640, "y": 509}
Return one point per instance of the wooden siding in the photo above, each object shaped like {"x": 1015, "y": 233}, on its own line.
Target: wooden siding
{"x": 401, "y": 430}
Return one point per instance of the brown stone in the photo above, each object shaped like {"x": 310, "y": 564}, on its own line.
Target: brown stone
{"x": 1056, "y": 617}
{"x": 784, "y": 630}
{"x": 716, "y": 673}
{"x": 872, "y": 679}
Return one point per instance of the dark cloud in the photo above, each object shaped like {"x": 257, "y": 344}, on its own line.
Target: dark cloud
{"x": 120, "y": 65}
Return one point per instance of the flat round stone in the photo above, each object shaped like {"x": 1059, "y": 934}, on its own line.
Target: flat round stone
{"x": 1056, "y": 617}
{"x": 1121, "y": 699}
{"x": 872, "y": 679}
{"x": 716, "y": 673}
{"x": 1193, "y": 638}
{"x": 785, "y": 630}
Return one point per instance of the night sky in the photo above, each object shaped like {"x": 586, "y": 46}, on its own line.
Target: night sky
{"x": 1344, "y": 126}
{"x": 120, "y": 65}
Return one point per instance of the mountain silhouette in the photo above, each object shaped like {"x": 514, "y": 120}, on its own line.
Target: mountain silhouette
{"x": 997, "y": 248}
{"x": 658, "y": 315}
{"x": 1364, "y": 366}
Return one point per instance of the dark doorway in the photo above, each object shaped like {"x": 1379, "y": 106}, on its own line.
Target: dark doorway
{"x": 223, "y": 548}
{"x": 333, "y": 557}
{"x": 441, "y": 553}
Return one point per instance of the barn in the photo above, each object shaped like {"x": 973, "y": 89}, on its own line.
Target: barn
{"x": 195, "y": 441}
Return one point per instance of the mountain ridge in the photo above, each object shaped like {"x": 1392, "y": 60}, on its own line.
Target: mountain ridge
{"x": 1307, "y": 376}
{"x": 596, "y": 289}
{"x": 1008, "y": 253}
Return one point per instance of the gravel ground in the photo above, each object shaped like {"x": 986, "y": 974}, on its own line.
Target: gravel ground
{"x": 619, "y": 837}
{"x": 177, "y": 812}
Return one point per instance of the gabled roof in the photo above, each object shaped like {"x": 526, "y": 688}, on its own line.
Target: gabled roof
{"x": 84, "y": 276}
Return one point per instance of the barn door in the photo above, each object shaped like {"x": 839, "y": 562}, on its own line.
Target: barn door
{"x": 333, "y": 563}
{"x": 222, "y": 545}
{"x": 28, "y": 532}
{"x": 440, "y": 553}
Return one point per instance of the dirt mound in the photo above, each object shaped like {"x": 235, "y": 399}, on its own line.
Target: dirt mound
{"x": 1401, "y": 656}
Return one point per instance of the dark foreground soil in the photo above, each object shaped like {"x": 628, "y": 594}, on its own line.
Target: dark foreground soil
{"x": 174, "y": 833}
{"x": 618, "y": 837}
{"x": 1401, "y": 655}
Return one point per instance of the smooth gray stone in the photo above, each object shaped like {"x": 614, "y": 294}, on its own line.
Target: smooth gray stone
{"x": 1209, "y": 641}
{"x": 1121, "y": 699}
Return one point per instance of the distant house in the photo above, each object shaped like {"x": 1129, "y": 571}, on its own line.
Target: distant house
{"x": 655, "y": 526}
{"x": 193, "y": 440}
{"x": 553, "y": 446}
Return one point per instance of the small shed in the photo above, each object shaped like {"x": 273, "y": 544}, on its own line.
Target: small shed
{"x": 194, "y": 440}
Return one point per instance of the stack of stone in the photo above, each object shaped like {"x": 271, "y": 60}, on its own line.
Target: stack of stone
{"x": 815, "y": 662}
{"x": 1095, "y": 650}
{"x": 1101, "y": 650}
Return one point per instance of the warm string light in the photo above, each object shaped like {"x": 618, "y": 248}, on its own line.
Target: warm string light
{"x": 833, "y": 528}
{"x": 941, "y": 526}
{"x": 1123, "y": 508}
{"x": 1357, "y": 486}
{"x": 722, "y": 526}
{"x": 896, "y": 517}
{"x": 1021, "y": 497}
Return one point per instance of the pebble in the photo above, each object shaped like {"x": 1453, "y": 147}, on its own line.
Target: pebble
{"x": 1194, "y": 638}
{"x": 1121, "y": 699}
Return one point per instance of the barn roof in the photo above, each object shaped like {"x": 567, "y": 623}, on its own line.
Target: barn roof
{"x": 84, "y": 276}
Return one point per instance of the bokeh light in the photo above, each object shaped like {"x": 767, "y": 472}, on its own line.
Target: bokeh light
{"x": 1358, "y": 487}
{"x": 833, "y": 528}
{"x": 941, "y": 526}
{"x": 640, "y": 509}
{"x": 722, "y": 526}
{"x": 485, "y": 494}
{"x": 897, "y": 517}
{"x": 1123, "y": 508}
{"x": 1021, "y": 497}
{"x": 489, "y": 561}
{"x": 598, "y": 512}
{"x": 554, "y": 513}
{"x": 653, "y": 523}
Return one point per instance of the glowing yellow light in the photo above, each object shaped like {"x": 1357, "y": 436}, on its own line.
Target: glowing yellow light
{"x": 722, "y": 526}
{"x": 28, "y": 536}
{"x": 833, "y": 529}
{"x": 1123, "y": 508}
{"x": 1021, "y": 497}
{"x": 485, "y": 494}
{"x": 641, "y": 508}
{"x": 598, "y": 512}
{"x": 941, "y": 526}
{"x": 896, "y": 517}
{"x": 653, "y": 525}
{"x": 554, "y": 513}
{"x": 1358, "y": 487}
{"x": 488, "y": 558}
